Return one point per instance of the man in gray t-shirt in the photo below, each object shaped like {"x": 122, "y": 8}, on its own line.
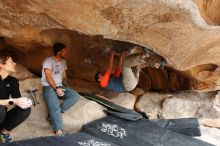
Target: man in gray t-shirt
{"x": 57, "y": 68}
{"x": 54, "y": 82}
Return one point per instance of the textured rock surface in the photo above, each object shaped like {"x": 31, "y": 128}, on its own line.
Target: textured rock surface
{"x": 125, "y": 99}
{"x": 174, "y": 29}
{"x": 216, "y": 100}
{"x": 151, "y": 104}
{"x": 209, "y": 112}
{"x": 183, "y": 105}
{"x": 210, "y": 10}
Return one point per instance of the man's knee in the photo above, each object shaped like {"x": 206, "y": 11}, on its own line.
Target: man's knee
{"x": 72, "y": 93}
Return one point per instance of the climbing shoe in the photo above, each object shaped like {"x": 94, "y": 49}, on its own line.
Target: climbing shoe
{"x": 5, "y": 138}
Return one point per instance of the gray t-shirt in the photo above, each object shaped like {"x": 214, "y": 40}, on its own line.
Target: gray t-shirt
{"x": 57, "y": 68}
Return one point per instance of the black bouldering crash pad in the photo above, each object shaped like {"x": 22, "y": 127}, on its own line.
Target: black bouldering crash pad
{"x": 138, "y": 133}
{"x": 78, "y": 139}
{"x": 186, "y": 126}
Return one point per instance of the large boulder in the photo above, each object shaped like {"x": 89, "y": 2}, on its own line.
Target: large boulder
{"x": 182, "y": 105}
{"x": 192, "y": 104}
{"x": 209, "y": 112}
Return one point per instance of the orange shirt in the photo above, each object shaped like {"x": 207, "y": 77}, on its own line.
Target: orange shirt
{"x": 105, "y": 79}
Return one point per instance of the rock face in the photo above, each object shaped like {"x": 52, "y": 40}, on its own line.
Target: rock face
{"x": 174, "y": 30}
{"x": 210, "y": 10}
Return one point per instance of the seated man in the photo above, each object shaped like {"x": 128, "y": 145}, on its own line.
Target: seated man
{"x": 130, "y": 72}
{"x": 54, "y": 82}
{"x": 9, "y": 86}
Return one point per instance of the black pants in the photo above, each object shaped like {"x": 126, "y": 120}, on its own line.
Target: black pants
{"x": 12, "y": 118}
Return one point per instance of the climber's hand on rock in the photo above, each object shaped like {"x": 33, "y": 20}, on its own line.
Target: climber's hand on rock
{"x": 112, "y": 51}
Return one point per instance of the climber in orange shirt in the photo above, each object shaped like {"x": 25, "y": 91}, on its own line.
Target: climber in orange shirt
{"x": 126, "y": 75}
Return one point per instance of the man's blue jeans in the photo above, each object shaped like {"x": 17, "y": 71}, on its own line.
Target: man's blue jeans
{"x": 55, "y": 108}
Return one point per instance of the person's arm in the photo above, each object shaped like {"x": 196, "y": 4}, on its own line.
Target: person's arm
{"x": 118, "y": 68}
{"x": 105, "y": 79}
{"x": 4, "y": 102}
{"x": 22, "y": 102}
{"x": 111, "y": 59}
{"x": 48, "y": 74}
